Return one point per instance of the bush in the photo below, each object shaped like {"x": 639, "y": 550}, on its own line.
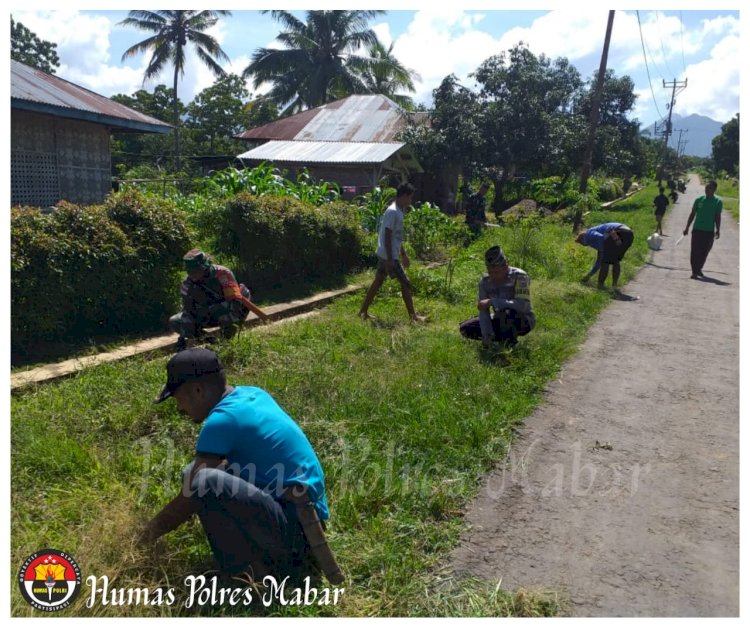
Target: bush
{"x": 83, "y": 271}
{"x": 610, "y": 189}
{"x": 429, "y": 231}
{"x": 277, "y": 238}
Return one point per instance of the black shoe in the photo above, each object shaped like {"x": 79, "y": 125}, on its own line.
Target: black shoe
{"x": 700, "y": 273}
{"x": 693, "y": 276}
{"x": 181, "y": 344}
{"x": 210, "y": 340}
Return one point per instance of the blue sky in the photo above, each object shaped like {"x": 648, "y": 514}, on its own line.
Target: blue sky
{"x": 700, "y": 45}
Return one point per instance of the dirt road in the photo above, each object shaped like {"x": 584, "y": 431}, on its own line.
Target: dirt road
{"x": 622, "y": 491}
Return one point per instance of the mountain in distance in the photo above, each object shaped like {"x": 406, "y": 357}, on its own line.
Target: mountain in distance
{"x": 697, "y": 130}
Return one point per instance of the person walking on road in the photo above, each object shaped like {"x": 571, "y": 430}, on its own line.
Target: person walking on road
{"x": 611, "y": 241}
{"x": 707, "y": 214}
{"x": 660, "y": 205}
{"x": 392, "y": 258}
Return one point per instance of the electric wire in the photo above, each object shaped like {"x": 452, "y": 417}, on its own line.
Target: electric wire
{"x": 643, "y": 45}
{"x": 661, "y": 42}
{"x": 682, "y": 46}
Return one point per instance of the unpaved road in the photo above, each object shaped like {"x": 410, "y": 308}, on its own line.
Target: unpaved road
{"x": 650, "y": 526}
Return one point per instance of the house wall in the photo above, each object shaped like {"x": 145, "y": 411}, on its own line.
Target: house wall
{"x": 55, "y": 159}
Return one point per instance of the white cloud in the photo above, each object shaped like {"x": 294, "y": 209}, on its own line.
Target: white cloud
{"x": 83, "y": 46}
{"x": 443, "y": 40}
{"x": 437, "y": 43}
{"x": 714, "y": 84}
{"x": 571, "y": 34}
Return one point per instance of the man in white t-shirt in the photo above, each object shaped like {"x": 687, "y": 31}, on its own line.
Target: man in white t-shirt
{"x": 392, "y": 258}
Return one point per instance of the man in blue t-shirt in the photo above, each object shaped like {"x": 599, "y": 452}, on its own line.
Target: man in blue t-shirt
{"x": 611, "y": 241}
{"x": 249, "y": 456}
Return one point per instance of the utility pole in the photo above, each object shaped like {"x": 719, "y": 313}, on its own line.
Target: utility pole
{"x": 680, "y": 142}
{"x": 668, "y": 131}
{"x": 593, "y": 121}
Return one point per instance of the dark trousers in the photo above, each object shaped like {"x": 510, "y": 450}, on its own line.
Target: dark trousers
{"x": 700, "y": 246}
{"x": 507, "y": 327}
{"x": 248, "y": 530}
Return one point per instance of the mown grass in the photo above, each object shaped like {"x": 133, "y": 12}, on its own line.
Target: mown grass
{"x": 406, "y": 420}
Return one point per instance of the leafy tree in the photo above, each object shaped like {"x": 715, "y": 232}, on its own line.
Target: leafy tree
{"x": 618, "y": 148}
{"x": 27, "y": 48}
{"x": 446, "y": 146}
{"x": 725, "y": 148}
{"x": 320, "y": 61}
{"x": 259, "y": 112}
{"x": 522, "y": 98}
{"x": 133, "y": 149}
{"x": 452, "y": 135}
{"x": 158, "y": 104}
{"x": 218, "y": 113}
{"x": 172, "y": 31}
{"x": 388, "y": 76}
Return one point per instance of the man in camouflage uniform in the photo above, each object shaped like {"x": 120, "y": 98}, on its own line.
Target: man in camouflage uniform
{"x": 211, "y": 297}
{"x": 505, "y": 289}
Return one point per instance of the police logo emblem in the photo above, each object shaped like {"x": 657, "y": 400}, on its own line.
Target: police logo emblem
{"x": 49, "y": 580}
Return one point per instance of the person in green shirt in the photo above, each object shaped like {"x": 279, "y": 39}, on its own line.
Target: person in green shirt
{"x": 707, "y": 214}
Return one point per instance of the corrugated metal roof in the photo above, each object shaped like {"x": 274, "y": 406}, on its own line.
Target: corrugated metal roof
{"x": 366, "y": 118}
{"x": 34, "y": 90}
{"x": 323, "y": 152}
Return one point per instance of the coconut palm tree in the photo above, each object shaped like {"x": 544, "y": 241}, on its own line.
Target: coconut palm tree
{"x": 321, "y": 60}
{"x": 388, "y": 76}
{"x": 173, "y": 30}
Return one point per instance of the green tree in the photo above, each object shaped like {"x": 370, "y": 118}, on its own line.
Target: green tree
{"x": 388, "y": 76}
{"x": 27, "y": 48}
{"x": 523, "y": 97}
{"x": 320, "y": 60}
{"x": 259, "y": 112}
{"x": 217, "y": 114}
{"x": 451, "y": 137}
{"x": 725, "y": 148}
{"x": 172, "y": 31}
{"x": 130, "y": 150}
{"x": 618, "y": 148}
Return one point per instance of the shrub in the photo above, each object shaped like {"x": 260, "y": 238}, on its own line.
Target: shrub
{"x": 275, "y": 238}
{"x": 610, "y": 189}
{"x": 83, "y": 271}
{"x": 371, "y": 206}
{"x": 429, "y": 231}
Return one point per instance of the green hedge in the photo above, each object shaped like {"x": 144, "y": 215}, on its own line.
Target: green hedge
{"x": 91, "y": 271}
{"x": 275, "y": 239}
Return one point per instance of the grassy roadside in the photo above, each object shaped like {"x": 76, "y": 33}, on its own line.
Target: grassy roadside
{"x": 729, "y": 192}
{"x": 406, "y": 420}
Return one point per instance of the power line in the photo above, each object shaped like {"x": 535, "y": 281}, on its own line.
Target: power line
{"x": 643, "y": 45}
{"x": 661, "y": 42}
{"x": 682, "y": 46}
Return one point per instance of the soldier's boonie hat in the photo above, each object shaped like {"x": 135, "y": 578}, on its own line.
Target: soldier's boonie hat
{"x": 195, "y": 259}
{"x": 186, "y": 366}
{"x": 494, "y": 256}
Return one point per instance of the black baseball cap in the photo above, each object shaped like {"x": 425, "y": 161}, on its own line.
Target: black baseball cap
{"x": 186, "y": 366}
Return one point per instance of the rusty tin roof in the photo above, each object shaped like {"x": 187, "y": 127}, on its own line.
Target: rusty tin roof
{"x": 34, "y": 90}
{"x": 366, "y": 118}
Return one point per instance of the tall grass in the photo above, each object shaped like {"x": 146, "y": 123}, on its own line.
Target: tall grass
{"x": 405, "y": 419}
